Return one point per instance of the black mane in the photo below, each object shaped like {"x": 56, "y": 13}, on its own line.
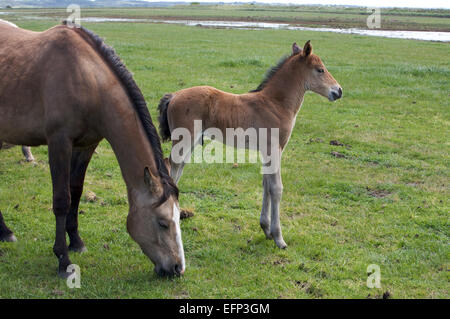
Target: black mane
{"x": 140, "y": 106}
{"x": 271, "y": 72}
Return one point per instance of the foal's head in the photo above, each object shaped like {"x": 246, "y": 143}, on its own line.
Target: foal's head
{"x": 316, "y": 76}
{"x": 155, "y": 226}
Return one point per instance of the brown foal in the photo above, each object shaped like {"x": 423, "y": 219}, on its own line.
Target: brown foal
{"x": 274, "y": 104}
{"x": 66, "y": 88}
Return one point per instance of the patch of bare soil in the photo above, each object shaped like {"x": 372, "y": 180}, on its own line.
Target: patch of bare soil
{"x": 337, "y": 154}
{"x": 315, "y": 140}
{"x": 309, "y": 288}
{"x": 339, "y": 143}
{"x": 378, "y": 193}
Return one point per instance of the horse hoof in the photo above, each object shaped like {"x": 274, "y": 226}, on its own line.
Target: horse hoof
{"x": 64, "y": 274}
{"x": 9, "y": 238}
{"x": 81, "y": 249}
{"x": 281, "y": 244}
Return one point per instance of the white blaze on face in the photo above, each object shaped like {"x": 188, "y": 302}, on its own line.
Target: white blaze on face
{"x": 9, "y": 23}
{"x": 176, "y": 219}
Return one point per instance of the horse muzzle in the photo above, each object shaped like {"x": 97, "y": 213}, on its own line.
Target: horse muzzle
{"x": 335, "y": 93}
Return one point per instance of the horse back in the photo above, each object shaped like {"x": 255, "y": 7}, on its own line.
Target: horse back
{"x": 50, "y": 80}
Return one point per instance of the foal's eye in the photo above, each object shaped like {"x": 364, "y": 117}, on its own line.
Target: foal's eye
{"x": 320, "y": 70}
{"x": 163, "y": 224}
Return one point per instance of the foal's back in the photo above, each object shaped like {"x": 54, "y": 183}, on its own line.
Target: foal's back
{"x": 220, "y": 109}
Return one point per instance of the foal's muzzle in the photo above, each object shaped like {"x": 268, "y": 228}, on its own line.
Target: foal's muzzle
{"x": 335, "y": 93}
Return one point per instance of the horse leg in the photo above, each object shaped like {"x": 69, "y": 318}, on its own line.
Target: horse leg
{"x": 264, "y": 220}
{"x": 5, "y": 233}
{"x": 26, "y": 150}
{"x": 176, "y": 169}
{"x": 60, "y": 153}
{"x": 275, "y": 191}
{"x": 78, "y": 166}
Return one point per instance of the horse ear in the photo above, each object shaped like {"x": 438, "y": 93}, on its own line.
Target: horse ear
{"x": 295, "y": 48}
{"x": 307, "y": 49}
{"x": 149, "y": 179}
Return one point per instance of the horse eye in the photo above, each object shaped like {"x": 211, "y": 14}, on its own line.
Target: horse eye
{"x": 163, "y": 224}
{"x": 320, "y": 70}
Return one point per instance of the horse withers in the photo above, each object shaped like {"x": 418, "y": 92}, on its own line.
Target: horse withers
{"x": 66, "y": 88}
{"x": 274, "y": 104}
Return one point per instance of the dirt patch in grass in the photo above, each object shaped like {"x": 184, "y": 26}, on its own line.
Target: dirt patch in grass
{"x": 309, "y": 288}
{"x": 281, "y": 261}
{"x": 337, "y": 154}
{"x": 378, "y": 193}
{"x": 315, "y": 140}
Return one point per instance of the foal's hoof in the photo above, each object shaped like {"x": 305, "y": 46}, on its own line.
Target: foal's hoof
{"x": 9, "y": 238}
{"x": 281, "y": 244}
{"x": 81, "y": 249}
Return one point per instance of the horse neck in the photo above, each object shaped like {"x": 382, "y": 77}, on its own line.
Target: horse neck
{"x": 286, "y": 88}
{"x": 124, "y": 131}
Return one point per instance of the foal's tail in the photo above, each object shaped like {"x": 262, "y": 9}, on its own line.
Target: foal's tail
{"x": 163, "y": 120}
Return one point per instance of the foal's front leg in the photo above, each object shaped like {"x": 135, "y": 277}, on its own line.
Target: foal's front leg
{"x": 276, "y": 190}
{"x": 59, "y": 153}
{"x": 78, "y": 166}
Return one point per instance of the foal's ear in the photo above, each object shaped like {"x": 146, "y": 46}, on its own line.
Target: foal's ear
{"x": 149, "y": 179}
{"x": 307, "y": 49}
{"x": 295, "y": 48}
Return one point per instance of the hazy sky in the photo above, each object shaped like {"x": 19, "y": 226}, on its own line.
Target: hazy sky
{"x": 369, "y": 3}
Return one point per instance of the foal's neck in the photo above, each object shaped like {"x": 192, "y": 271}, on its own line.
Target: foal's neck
{"x": 287, "y": 89}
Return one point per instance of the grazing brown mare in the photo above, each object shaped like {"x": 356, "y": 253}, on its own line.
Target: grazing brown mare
{"x": 274, "y": 104}
{"x": 66, "y": 88}
{"x": 26, "y": 151}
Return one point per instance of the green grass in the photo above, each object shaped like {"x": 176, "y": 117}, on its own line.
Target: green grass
{"x": 385, "y": 203}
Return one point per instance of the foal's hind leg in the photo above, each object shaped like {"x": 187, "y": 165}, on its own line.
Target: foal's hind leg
{"x": 60, "y": 153}
{"x": 5, "y": 233}
{"x": 177, "y": 166}
{"x": 79, "y": 163}
{"x": 26, "y": 150}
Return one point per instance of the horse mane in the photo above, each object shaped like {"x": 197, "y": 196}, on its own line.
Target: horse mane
{"x": 271, "y": 73}
{"x": 140, "y": 106}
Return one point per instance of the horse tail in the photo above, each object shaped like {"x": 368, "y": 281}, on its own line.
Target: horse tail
{"x": 163, "y": 120}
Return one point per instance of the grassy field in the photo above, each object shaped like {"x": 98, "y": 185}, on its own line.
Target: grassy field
{"x": 386, "y": 202}
{"x": 307, "y": 16}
